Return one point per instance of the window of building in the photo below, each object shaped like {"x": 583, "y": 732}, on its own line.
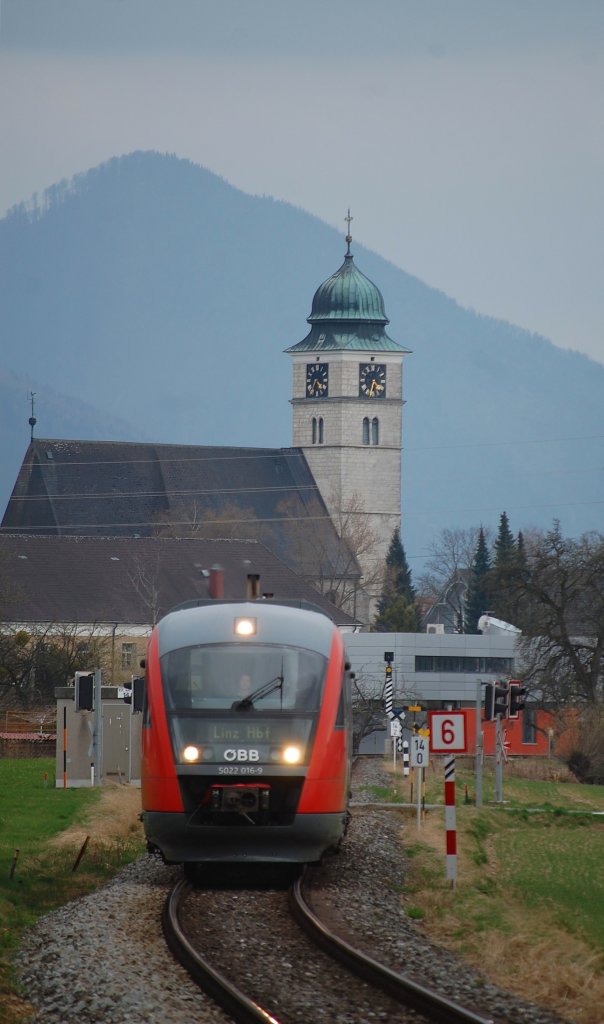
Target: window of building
{"x": 314, "y": 430}
{"x": 436, "y": 663}
{"x": 366, "y": 430}
{"x": 84, "y": 654}
{"x": 321, "y": 435}
{"x": 375, "y": 430}
{"x": 128, "y": 655}
{"x": 528, "y": 726}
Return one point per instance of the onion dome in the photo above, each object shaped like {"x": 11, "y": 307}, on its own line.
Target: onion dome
{"x": 347, "y": 314}
{"x": 348, "y": 295}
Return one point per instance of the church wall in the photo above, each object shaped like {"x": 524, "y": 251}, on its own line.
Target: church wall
{"x": 343, "y": 424}
{"x": 344, "y": 474}
{"x": 352, "y": 438}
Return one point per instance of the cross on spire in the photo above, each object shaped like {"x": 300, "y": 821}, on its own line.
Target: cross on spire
{"x": 348, "y": 219}
{"x": 32, "y": 418}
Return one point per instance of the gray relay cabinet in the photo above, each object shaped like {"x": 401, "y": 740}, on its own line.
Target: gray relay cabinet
{"x": 120, "y": 729}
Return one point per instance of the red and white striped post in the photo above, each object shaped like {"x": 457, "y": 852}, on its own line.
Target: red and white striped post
{"x": 450, "y": 823}
{"x": 448, "y": 735}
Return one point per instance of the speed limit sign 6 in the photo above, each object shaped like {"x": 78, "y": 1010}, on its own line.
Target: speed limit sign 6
{"x": 448, "y": 732}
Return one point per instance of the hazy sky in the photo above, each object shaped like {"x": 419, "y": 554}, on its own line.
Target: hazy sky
{"x": 466, "y": 135}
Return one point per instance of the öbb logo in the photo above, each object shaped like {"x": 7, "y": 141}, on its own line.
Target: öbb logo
{"x": 241, "y": 755}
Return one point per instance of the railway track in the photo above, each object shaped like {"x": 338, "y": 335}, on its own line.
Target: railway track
{"x": 390, "y": 996}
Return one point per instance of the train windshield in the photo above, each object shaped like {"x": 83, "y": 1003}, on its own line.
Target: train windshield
{"x": 243, "y": 678}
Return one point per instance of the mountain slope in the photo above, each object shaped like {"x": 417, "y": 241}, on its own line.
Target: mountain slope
{"x": 151, "y": 288}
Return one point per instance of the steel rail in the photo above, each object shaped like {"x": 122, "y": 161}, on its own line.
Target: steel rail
{"x": 215, "y": 984}
{"x": 404, "y": 990}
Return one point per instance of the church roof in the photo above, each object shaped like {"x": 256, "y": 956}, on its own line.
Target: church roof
{"x": 348, "y": 295}
{"x": 347, "y": 313}
{"x": 97, "y": 488}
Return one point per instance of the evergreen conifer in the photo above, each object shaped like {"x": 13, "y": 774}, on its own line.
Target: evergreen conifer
{"x": 477, "y": 602}
{"x": 397, "y": 611}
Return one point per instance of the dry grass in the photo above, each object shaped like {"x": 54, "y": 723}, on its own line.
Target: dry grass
{"x": 538, "y": 768}
{"x": 518, "y": 948}
{"x": 114, "y": 817}
{"x": 46, "y": 875}
{"x": 525, "y": 768}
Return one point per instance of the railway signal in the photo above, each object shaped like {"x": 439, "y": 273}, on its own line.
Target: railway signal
{"x": 135, "y": 695}
{"x": 517, "y": 698}
{"x": 84, "y": 691}
{"x": 496, "y": 701}
{"x": 388, "y": 690}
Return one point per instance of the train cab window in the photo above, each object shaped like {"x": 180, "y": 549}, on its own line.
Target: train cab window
{"x": 220, "y": 694}
{"x": 243, "y": 677}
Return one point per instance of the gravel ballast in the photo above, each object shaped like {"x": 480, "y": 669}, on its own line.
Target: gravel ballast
{"x": 102, "y": 958}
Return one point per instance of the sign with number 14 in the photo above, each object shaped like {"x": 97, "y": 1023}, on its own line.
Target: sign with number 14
{"x": 419, "y": 753}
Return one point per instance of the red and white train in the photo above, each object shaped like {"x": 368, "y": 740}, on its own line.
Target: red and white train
{"x": 247, "y": 733}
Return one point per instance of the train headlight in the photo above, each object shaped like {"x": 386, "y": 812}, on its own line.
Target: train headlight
{"x": 245, "y": 627}
{"x": 191, "y": 754}
{"x": 292, "y": 755}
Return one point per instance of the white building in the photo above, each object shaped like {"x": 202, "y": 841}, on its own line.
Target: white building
{"x": 434, "y": 670}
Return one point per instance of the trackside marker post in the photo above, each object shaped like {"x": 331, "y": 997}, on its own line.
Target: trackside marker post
{"x": 396, "y": 729}
{"x": 449, "y": 736}
{"x": 419, "y": 759}
{"x": 65, "y": 747}
{"x": 450, "y": 821}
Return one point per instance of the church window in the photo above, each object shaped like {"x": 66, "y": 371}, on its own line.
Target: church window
{"x": 366, "y": 430}
{"x": 321, "y": 432}
{"x": 314, "y": 430}
{"x": 375, "y": 430}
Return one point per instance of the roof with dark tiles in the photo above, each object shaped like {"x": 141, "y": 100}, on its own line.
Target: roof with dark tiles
{"x": 134, "y": 581}
{"x": 96, "y": 488}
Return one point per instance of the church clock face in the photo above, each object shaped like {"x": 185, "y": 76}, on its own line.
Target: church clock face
{"x": 317, "y": 380}
{"x": 372, "y": 380}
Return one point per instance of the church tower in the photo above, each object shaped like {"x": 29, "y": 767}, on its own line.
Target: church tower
{"x": 348, "y": 406}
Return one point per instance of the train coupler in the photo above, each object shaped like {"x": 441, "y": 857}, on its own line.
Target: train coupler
{"x": 244, "y": 799}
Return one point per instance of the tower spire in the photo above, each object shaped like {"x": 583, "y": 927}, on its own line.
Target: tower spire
{"x": 32, "y": 418}
{"x": 348, "y": 219}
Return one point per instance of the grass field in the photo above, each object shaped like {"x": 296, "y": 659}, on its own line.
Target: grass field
{"x": 42, "y": 831}
{"x": 528, "y": 905}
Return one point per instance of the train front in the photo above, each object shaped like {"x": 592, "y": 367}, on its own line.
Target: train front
{"x": 246, "y": 735}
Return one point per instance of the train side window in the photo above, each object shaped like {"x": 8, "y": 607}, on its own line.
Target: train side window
{"x": 341, "y": 715}
{"x": 146, "y": 711}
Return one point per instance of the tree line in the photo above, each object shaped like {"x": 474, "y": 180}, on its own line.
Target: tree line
{"x": 549, "y": 586}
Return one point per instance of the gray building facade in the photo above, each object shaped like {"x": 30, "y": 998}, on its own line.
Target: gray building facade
{"x": 434, "y": 670}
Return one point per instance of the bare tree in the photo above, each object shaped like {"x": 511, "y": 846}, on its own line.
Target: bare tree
{"x": 451, "y": 554}
{"x": 144, "y": 573}
{"x": 212, "y": 519}
{"x": 586, "y": 759}
{"x": 329, "y": 559}
{"x": 448, "y": 570}
{"x": 367, "y": 709}
{"x": 562, "y": 592}
{"x": 368, "y": 692}
{"x": 35, "y": 660}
